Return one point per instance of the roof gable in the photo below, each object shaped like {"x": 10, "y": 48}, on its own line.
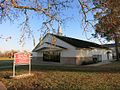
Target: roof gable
{"x": 47, "y": 45}
{"x": 72, "y": 41}
{"x": 78, "y": 43}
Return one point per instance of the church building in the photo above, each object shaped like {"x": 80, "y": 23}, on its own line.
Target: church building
{"x": 58, "y": 49}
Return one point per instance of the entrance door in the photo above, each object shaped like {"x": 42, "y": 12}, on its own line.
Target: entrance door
{"x": 51, "y": 56}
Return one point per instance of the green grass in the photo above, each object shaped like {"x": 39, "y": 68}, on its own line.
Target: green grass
{"x": 6, "y": 63}
{"x": 48, "y": 77}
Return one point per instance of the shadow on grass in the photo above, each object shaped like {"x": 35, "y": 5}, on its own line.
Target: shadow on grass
{"x": 75, "y": 68}
{"x": 112, "y": 68}
{"x": 6, "y": 63}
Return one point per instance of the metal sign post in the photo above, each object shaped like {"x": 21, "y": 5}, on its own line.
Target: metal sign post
{"x": 22, "y": 59}
{"x": 30, "y": 66}
{"x": 14, "y": 68}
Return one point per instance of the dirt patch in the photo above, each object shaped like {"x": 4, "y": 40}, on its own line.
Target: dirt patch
{"x": 2, "y": 86}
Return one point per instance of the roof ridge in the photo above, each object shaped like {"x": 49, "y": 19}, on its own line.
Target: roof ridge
{"x": 75, "y": 39}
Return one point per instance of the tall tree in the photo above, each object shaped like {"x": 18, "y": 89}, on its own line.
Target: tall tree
{"x": 109, "y": 22}
{"x": 106, "y": 18}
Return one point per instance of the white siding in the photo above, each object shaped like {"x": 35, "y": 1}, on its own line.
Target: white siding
{"x": 68, "y": 53}
{"x": 102, "y": 52}
{"x": 34, "y": 54}
{"x": 61, "y": 43}
{"x": 70, "y": 49}
{"x": 37, "y": 54}
{"x": 91, "y": 52}
{"x": 83, "y": 53}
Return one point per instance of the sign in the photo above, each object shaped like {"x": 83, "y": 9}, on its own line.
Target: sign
{"x": 22, "y": 59}
{"x": 54, "y": 40}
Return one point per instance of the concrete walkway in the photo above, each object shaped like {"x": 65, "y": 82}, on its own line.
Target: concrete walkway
{"x": 100, "y": 63}
{"x": 2, "y": 86}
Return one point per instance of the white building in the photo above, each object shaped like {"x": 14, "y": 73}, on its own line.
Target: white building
{"x": 112, "y": 47}
{"x": 59, "y": 49}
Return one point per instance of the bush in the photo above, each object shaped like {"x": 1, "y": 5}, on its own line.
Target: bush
{"x": 89, "y": 62}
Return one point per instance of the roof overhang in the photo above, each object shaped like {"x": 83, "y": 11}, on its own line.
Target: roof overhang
{"x": 49, "y": 49}
{"x": 52, "y": 47}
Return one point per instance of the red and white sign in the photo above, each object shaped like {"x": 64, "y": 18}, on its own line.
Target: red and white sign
{"x": 22, "y": 58}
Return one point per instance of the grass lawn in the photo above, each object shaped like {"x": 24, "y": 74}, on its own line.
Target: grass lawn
{"x": 47, "y": 77}
{"x": 6, "y": 63}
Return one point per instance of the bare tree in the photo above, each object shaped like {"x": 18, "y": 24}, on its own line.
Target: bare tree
{"x": 48, "y": 10}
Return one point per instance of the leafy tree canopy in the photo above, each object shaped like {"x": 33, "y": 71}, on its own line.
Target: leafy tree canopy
{"x": 109, "y": 20}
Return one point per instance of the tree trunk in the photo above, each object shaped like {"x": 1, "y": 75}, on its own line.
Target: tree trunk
{"x": 116, "y": 48}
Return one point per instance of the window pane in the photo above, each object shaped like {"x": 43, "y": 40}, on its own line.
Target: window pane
{"x": 51, "y": 56}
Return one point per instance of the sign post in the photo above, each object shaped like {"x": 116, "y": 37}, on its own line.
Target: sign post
{"x": 22, "y": 59}
{"x": 30, "y": 67}
{"x": 14, "y": 69}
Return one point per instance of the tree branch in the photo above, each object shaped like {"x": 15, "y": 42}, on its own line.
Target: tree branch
{"x": 15, "y": 5}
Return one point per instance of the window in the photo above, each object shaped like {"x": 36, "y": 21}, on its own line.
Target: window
{"x": 97, "y": 58}
{"x": 51, "y": 56}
